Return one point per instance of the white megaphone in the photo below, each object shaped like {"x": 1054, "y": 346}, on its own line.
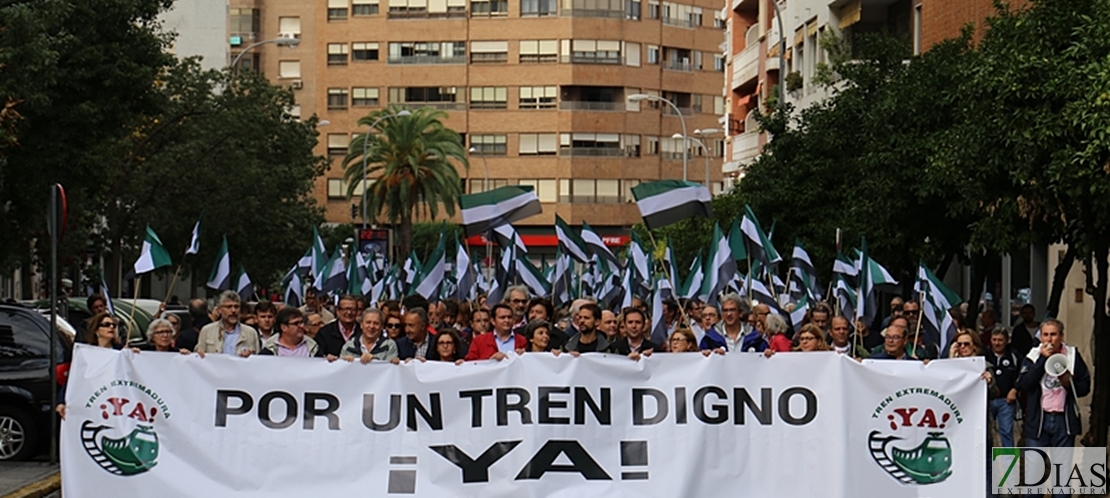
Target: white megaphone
{"x": 1056, "y": 365}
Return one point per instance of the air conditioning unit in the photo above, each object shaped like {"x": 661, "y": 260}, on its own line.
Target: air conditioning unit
{"x": 297, "y": 84}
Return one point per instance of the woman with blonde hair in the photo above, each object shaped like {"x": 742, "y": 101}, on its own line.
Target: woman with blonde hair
{"x": 811, "y": 338}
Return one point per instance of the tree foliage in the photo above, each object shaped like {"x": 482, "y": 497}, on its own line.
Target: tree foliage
{"x": 409, "y": 162}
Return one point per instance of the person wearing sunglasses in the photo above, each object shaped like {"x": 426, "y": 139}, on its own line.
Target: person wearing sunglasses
{"x": 102, "y": 328}
{"x": 394, "y": 328}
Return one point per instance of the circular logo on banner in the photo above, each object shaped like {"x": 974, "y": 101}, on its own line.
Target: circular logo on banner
{"x": 122, "y": 439}
{"x": 909, "y": 435}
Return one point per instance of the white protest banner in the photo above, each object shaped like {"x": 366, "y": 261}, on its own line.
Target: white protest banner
{"x": 674, "y": 425}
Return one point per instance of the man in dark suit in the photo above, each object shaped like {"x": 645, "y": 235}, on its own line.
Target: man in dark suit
{"x": 198, "y": 311}
{"x": 415, "y": 343}
{"x": 334, "y": 335}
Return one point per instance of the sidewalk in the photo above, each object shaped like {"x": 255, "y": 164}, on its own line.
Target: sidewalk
{"x": 28, "y": 479}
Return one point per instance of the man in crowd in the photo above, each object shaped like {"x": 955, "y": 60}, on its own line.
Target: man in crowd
{"x": 502, "y": 342}
{"x": 291, "y": 339}
{"x": 1007, "y": 366}
{"x": 840, "y": 339}
{"x": 228, "y": 336}
{"x": 1025, "y": 335}
{"x": 707, "y": 323}
{"x": 415, "y": 342}
{"x": 372, "y": 344}
{"x": 988, "y": 325}
{"x": 265, "y": 312}
{"x": 1051, "y": 408}
{"x": 894, "y": 344}
{"x": 450, "y": 312}
{"x": 609, "y": 326}
{"x": 757, "y": 340}
{"x": 198, "y": 313}
{"x": 334, "y": 335}
{"x": 634, "y": 341}
{"x": 435, "y": 314}
{"x": 588, "y": 339}
{"x": 314, "y": 305}
{"x": 517, "y": 297}
{"x": 96, "y": 303}
{"x": 479, "y": 324}
{"x": 896, "y": 304}
{"x": 734, "y": 313}
{"x": 820, "y": 317}
{"x": 312, "y": 324}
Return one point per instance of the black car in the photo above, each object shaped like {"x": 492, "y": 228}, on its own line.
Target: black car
{"x": 25, "y": 395}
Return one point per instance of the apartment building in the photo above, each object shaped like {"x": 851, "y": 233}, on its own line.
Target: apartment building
{"x": 538, "y": 88}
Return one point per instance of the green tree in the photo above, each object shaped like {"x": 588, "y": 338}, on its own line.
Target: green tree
{"x": 408, "y": 167}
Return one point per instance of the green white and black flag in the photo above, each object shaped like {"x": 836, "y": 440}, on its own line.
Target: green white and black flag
{"x": 194, "y": 241}
{"x": 759, "y": 244}
{"x": 485, "y": 211}
{"x": 220, "y": 278}
{"x": 153, "y": 254}
{"x": 570, "y": 243}
{"x": 720, "y": 267}
{"x": 670, "y": 201}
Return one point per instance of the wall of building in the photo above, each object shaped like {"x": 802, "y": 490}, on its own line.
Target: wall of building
{"x": 201, "y": 27}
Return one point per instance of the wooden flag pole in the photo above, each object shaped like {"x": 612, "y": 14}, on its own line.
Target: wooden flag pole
{"x": 920, "y": 315}
{"x": 134, "y": 304}
{"x": 169, "y": 290}
{"x": 667, "y": 272}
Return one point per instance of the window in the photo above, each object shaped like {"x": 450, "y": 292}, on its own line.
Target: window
{"x": 489, "y": 97}
{"x": 364, "y": 51}
{"x": 719, "y": 63}
{"x": 590, "y": 144}
{"x": 582, "y": 191}
{"x": 633, "y": 10}
{"x": 653, "y": 9}
{"x": 718, "y": 105}
{"x": 427, "y": 53}
{"x": 289, "y": 69}
{"x": 653, "y": 54}
{"x": 917, "y": 30}
{"x": 489, "y": 8}
{"x": 535, "y": 51}
{"x": 337, "y": 54}
{"x": 697, "y": 60}
{"x": 294, "y": 111}
{"x": 538, "y": 144}
{"x": 631, "y": 54}
{"x": 408, "y": 8}
{"x": 290, "y": 25}
{"x": 22, "y": 339}
{"x": 337, "y": 10}
{"x": 718, "y": 20}
{"x": 631, "y": 144}
{"x": 337, "y": 144}
{"x": 671, "y": 148}
{"x": 431, "y": 96}
{"x": 337, "y": 98}
{"x": 364, "y": 7}
{"x": 479, "y": 185}
{"x": 544, "y": 189}
{"x": 608, "y": 191}
{"x": 430, "y": 9}
{"x": 365, "y": 97}
{"x": 537, "y": 8}
{"x": 490, "y": 145}
{"x": 592, "y": 51}
{"x": 337, "y": 188}
{"x": 244, "y": 23}
{"x": 489, "y": 52}
{"x": 537, "y": 97}
{"x": 627, "y": 185}
{"x": 613, "y": 9}
{"x": 652, "y": 146}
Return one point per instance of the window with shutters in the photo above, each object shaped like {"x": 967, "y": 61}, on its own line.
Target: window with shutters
{"x": 243, "y": 24}
{"x": 544, "y": 189}
{"x": 539, "y": 51}
{"x": 365, "y": 97}
{"x": 633, "y": 10}
{"x": 489, "y": 52}
{"x": 289, "y": 69}
{"x": 538, "y": 8}
{"x": 592, "y": 51}
{"x": 364, "y": 7}
{"x": 653, "y": 54}
{"x": 489, "y": 97}
{"x": 537, "y": 97}
{"x": 427, "y": 53}
{"x": 427, "y": 96}
{"x": 490, "y": 145}
{"x": 337, "y": 98}
{"x": 364, "y": 51}
{"x": 611, "y": 9}
{"x": 337, "y": 10}
{"x": 337, "y": 143}
{"x": 590, "y": 144}
{"x": 539, "y": 144}
{"x": 289, "y": 25}
{"x": 337, "y": 54}
{"x": 489, "y": 8}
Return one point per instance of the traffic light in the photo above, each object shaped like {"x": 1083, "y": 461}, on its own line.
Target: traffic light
{"x": 354, "y": 211}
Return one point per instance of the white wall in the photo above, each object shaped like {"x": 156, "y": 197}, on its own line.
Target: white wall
{"x": 201, "y": 27}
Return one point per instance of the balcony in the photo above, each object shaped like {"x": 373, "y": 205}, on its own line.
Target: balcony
{"x": 590, "y": 58}
{"x": 428, "y": 59}
{"x": 603, "y": 14}
{"x": 423, "y": 14}
{"x": 686, "y": 111}
{"x": 446, "y": 106}
{"x": 745, "y": 148}
{"x": 745, "y": 66}
{"x": 678, "y": 65}
{"x": 591, "y": 152}
{"x": 579, "y": 105}
{"x": 681, "y": 23}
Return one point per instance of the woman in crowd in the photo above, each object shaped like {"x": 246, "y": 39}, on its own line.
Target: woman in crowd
{"x": 777, "y": 342}
{"x": 811, "y": 338}
{"x": 538, "y": 333}
{"x": 682, "y": 340}
{"x": 448, "y": 347}
{"x": 159, "y": 336}
{"x": 101, "y": 329}
{"x": 394, "y": 329}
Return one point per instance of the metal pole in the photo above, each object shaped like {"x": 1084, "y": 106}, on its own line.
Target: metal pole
{"x": 55, "y": 230}
{"x": 685, "y": 137}
{"x": 782, "y": 53}
{"x": 235, "y": 63}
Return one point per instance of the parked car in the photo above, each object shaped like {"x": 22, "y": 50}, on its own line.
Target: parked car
{"x": 26, "y": 404}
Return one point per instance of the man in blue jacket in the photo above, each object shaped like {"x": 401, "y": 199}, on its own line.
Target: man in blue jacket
{"x": 1051, "y": 407}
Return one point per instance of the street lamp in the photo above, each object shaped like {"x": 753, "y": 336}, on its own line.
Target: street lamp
{"x": 365, "y": 147}
{"x": 704, "y": 133}
{"x": 281, "y": 42}
{"x": 637, "y": 97}
{"x": 702, "y": 144}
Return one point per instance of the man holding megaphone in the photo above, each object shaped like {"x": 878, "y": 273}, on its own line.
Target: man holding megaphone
{"x": 1053, "y": 376}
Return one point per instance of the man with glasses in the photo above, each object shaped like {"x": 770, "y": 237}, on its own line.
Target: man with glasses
{"x": 312, "y": 304}
{"x": 894, "y": 345}
{"x": 291, "y": 340}
{"x": 734, "y": 315}
{"x": 334, "y": 335}
{"x": 312, "y": 323}
{"x": 227, "y": 335}
{"x": 517, "y": 298}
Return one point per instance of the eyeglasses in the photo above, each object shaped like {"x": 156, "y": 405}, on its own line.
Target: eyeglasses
{"x": 894, "y": 338}
{"x": 730, "y": 310}
{"x": 347, "y": 310}
{"x": 107, "y": 325}
{"x": 518, "y": 301}
{"x": 296, "y": 323}
{"x": 964, "y": 344}
{"x": 448, "y": 343}
{"x": 807, "y": 338}
{"x": 230, "y": 306}
{"x": 392, "y": 325}
{"x": 911, "y": 312}
{"x": 679, "y": 339}
{"x": 163, "y": 332}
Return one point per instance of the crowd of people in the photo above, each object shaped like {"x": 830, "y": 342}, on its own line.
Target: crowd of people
{"x": 451, "y": 331}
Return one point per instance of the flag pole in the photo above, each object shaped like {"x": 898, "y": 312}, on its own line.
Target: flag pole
{"x": 667, "y": 272}
{"x": 920, "y": 315}
{"x": 169, "y": 290}
{"x": 134, "y": 304}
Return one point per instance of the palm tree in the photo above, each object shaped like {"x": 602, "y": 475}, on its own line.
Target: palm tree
{"x": 407, "y": 166}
